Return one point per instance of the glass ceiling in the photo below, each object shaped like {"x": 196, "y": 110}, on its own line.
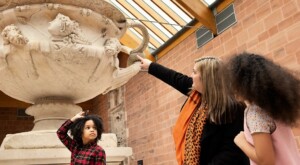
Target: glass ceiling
{"x": 162, "y": 18}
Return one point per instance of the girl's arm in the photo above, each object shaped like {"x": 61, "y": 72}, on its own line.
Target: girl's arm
{"x": 63, "y": 136}
{"x": 264, "y": 148}
{"x": 62, "y": 132}
{"x": 262, "y": 152}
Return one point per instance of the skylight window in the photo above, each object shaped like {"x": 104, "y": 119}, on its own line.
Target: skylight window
{"x": 178, "y": 11}
{"x": 164, "y": 15}
{"x": 209, "y": 2}
{"x": 162, "y": 18}
{"x": 152, "y": 20}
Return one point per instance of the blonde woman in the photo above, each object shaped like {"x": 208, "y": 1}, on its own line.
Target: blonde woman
{"x": 209, "y": 119}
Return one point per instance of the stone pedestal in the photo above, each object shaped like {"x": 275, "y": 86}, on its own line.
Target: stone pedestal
{"x": 60, "y": 154}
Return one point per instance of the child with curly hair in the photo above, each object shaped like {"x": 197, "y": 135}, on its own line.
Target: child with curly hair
{"x": 86, "y": 131}
{"x": 272, "y": 95}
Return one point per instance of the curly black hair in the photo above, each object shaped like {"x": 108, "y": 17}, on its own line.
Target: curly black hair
{"x": 78, "y": 126}
{"x": 267, "y": 85}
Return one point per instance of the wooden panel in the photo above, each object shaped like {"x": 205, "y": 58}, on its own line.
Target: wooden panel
{"x": 201, "y": 12}
{"x": 182, "y": 8}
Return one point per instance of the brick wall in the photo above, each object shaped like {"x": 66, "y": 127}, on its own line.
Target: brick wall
{"x": 267, "y": 27}
{"x": 100, "y": 107}
{"x": 11, "y": 123}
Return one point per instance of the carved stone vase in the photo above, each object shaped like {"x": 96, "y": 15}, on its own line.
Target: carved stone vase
{"x": 55, "y": 54}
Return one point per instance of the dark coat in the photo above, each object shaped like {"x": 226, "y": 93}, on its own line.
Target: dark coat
{"x": 217, "y": 146}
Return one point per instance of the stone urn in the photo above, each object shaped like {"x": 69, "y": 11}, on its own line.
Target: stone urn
{"x": 54, "y": 54}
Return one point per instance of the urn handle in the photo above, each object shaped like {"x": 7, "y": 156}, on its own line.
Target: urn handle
{"x": 145, "y": 35}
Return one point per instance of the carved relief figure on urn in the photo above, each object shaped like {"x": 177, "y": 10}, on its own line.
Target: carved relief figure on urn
{"x": 66, "y": 30}
{"x": 13, "y": 35}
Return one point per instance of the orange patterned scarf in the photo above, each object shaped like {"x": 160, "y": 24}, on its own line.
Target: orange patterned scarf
{"x": 188, "y": 130}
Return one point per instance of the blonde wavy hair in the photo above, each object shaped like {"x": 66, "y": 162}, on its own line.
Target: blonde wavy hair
{"x": 216, "y": 94}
